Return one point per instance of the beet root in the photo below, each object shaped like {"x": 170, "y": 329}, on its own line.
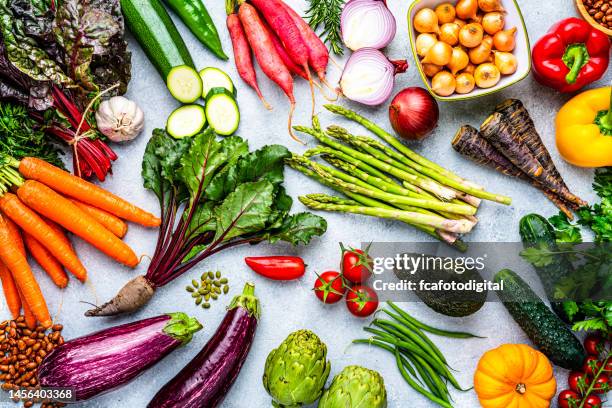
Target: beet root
{"x": 132, "y": 296}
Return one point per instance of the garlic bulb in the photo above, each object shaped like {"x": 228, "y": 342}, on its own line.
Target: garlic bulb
{"x": 120, "y": 119}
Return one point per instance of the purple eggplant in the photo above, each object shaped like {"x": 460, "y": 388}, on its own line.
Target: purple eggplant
{"x": 97, "y": 363}
{"x": 207, "y": 378}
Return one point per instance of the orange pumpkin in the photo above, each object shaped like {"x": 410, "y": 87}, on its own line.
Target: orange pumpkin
{"x": 514, "y": 376}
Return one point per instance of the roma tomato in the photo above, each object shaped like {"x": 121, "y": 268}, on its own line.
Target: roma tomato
{"x": 601, "y": 385}
{"x": 329, "y": 287}
{"x": 593, "y": 344}
{"x": 568, "y": 399}
{"x": 589, "y": 362}
{"x": 356, "y": 265}
{"x": 592, "y": 401}
{"x": 574, "y": 380}
{"x": 362, "y": 301}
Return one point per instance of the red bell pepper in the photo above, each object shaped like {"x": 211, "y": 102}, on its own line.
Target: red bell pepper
{"x": 277, "y": 267}
{"x": 572, "y": 55}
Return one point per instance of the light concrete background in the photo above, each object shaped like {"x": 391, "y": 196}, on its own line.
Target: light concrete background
{"x": 291, "y": 306}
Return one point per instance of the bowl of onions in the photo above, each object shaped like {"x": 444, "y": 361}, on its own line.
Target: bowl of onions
{"x": 465, "y": 49}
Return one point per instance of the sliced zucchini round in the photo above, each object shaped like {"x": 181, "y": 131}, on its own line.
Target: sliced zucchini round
{"x": 186, "y": 121}
{"x": 184, "y": 83}
{"x": 222, "y": 111}
{"x": 215, "y": 78}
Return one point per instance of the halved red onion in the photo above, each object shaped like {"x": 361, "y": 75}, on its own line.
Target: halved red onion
{"x": 367, "y": 23}
{"x": 368, "y": 76}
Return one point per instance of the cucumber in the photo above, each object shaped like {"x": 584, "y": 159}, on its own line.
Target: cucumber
{"x": 535, "y": 231}
{"x": 540, "y": 324}
{"x": 215, "y": 78}
{"x": 222, "y": 111}
{"x": 154, "y": 30}
{"x": 186, "y": 121}
{"x": 184, "y": 83}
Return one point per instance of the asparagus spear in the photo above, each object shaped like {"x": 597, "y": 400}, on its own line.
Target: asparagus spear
{"x": 455, "y": 226}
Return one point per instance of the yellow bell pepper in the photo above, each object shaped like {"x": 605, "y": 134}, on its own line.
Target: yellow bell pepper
{"x": 584, "y": 129}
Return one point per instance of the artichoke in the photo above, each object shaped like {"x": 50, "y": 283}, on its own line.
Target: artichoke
{"x": 355, "y": 387}
{"x": 296, "y": 371}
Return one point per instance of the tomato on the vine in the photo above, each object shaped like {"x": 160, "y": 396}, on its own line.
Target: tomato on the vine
{"x": 589, "y": 362}
{"x": 593, "y": 344}
{"x": 575, "y": 378}
{"x": 568, "y": 399}
{"x": 592, "y": 401}
{"x": 362, "y": 301}
{"x": 602, "y": 384}
{"x": 329, "y": 287}
{"x": 356, "y": 265}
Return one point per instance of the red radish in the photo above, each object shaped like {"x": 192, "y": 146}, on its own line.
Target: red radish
{"x": 278, "y": 45}
{"x": 413, "y": 113}
{"x": 318, "y": 55}
{"x": 270, "y": 62}
{"x": 242, "y": 55}
{"x": 282, "y": 24}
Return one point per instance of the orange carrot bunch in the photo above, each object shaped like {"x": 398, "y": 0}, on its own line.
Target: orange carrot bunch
{"x": 34, "y": 219}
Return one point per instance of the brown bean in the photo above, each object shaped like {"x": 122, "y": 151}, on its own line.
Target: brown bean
{"x": 28, "y": 404}
{"x": 57, "y": 327}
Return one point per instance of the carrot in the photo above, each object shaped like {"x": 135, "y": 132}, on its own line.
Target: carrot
{"x": 84, "y": 191}
{"x": 282, "y": 24}
{"x": 59, "y": 209}
{"x": 30, "y": 319}
{"x": 55, "y": 242}
{"x": 11, "y": 294}
{"x": 108, "y": 220}
{"x": 293, "y": 67}
{"x": 17, "y": 263}
{"x": 46, "y": 261}
{"x": 16, "y": 235}
{"x": 242, "y": 55}
{"x": 271, "y": 63}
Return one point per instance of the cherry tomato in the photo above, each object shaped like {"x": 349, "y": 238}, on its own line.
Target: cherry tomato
{"x": 573, "y": 380}
{"x": 356, "y": 265}
{"x": 566, "y": 397}
{"x": 588, "y": 362}
{"x": 592, "y": 401}
{"x": 593, "y": 344}
{"x": 329, "y": 287}
{"x": 608, "y": 366}
{"x": 362, "y": 301}
{"x": 601, "y": 385}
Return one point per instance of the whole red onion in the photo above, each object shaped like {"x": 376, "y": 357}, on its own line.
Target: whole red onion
{"x": 413, "y": 113}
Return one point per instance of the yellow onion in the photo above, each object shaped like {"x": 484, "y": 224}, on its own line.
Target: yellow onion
{"x": 424, "y": 42}
{"x": 445, "y": 13}
{"x": 449, "y": 33}
{"x": 481, "y": 53}
{"x": 504, "y": 40}
{"x": 459, "y": 22}
{"x": 443, "y": 83}
{"x": 469, "y": 69}
{"x": 478, "y": 18}
{"x": 459, "y": 60}
{"x": 493, "y": 22}
{"x": 471, "y": 35}
{"x": 486, "y": 75}
{"x": 426, "y": 21}
{"x": 431, "y": 70}
{"x": 490, "y": 5}
{"x": 506, "y": 62}
{"x": 440, "y": 54}
{"x": 465, "y": 83}
{"x": 466, "y": 9}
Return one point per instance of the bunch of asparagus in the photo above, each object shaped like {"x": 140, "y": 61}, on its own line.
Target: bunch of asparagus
{"x": 509, "y": 142}
{"x": 388, "y": 181}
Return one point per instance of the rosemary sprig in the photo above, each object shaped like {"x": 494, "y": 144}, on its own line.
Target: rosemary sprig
{"x": 327, "y": 13}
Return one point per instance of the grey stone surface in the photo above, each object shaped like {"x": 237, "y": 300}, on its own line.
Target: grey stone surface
{"x": 290, "y": 306}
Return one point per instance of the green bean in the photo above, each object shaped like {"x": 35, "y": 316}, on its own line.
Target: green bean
{"x": 430, "y": 329}
{"x": 390, "y": 349}
{"x": 417, "y": 387}
{"x": 435, "y": 377}
{"x": 427, "y": 379}
{"x": 426, "y": 344}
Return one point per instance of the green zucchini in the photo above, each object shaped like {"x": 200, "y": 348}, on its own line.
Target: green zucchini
{"x": 450, "y": 303}
{"x": 184, "y": 83}
{"x": 222, "y": 111}
{"x": 540, "y": 324}
{"x": 215, "y": 78}
{"x": 186, "y": 121}
{"x": 536, "y": 231}
{"x": 154, "y": 30}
